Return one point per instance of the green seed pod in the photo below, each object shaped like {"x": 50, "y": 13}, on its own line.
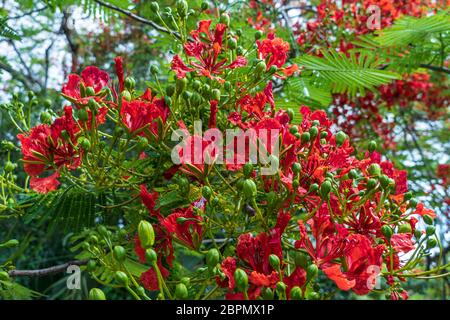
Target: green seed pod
{"x": 293, "y": 129}
{"x": 4, "y": 276}
{"x": 384, "y": 181}
{"x": 241, "y": 279}
{"x": 96, "y": 294}
{"x": 154, "y": 6}
{"x": 83, "y": 115}
{"x": 325, "y": 189}
{"x": 154, "y": 70}
{"x": 206, "y": 192}
{"x": 204, "y": 6}
{"x": 46, "y": 117}
{"x": 146, "y": 234}
{"x": 427, "y": 219}
{"x": 274, "y": 262}
{"x": 431, "y": 243}
{"x": 182, "y": 8}
{"x": 314, "y": 187}
{"x": 296, "y": 293}
{"x": 405, "y": 228}
{"x": 121, "y": 278}
{"x": 311, "y": 271}
{"x": 296, "y": 167}
{"x": 306, "y": 136}
{"x": 91, "y": 265}
{"x": 90, "y": 92}
{"x": 291, "y": 114}
{"x": 232, "y": 43}
{"x": 340, "y": 138}
{"x": 372, "y": 146}
{"x": 9, "y": 166}
{"x": 119, "y": 253}
{"x": 181, "y": 291}
{"x": 181, "y": 85}
{"x": 387, "y": 232}
{"x": 313, "y": 132}
{"x": 129, "y": 83}
{"x": 103, "y": 231}
{"x": 258, "y": 35}
{"x": 374, "y": 169}
{"x": 150, "y": 256}
{"x": 323, "y": 135}
{"x": 430, "y": 230}
{"x": 212, "y": 258}
{"x": 312, "y": 295}
{"x": 249, "y": 189}
{"x": 225, "y": 19}
{"x": 371, "y": 184}
{"x": 353, "y": 174}
{"x": 281, "y": 289}
{"x": 301, "y": 260}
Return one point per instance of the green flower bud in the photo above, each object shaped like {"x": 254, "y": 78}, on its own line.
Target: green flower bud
{"x": 154, "y": 69}
{"x": 119, "y": 253}
{"x": 281, "y": 289}
{"x": 260, "y": 68}
{"x": 142, "y": 143}
{"x": 84, "y": 143}
{"x": 249, "y": 189}
{"x": 232, "y": 43}
{"x": 430, "y": 230}
{"x": 340, "y": 138}
{"x": 182, "y": 8}
{"x": 129, "y": 83}
{"x": 295, "y": 184}
{"x": 248, "y": 170}
{"x": 267, "y": 293}
{"x": 405, "y": 228}
{"x": 146, "y": 234}
{"x": 407, "y": 196}
{"x": 185, "y": 280}
{"x": 296, "y": 167}
{"x": 187, "y": 96}
{"x": 374, "y": 169}
{"x": 121, "y": 278}
{"x": 10, "y": 244}
{"x": 258, "y": 35}
{"x": 387, "y": 232}
{"x": 225, "y": 19}
{"x": 323, "y": 135}
{"x": 312, "y": 295}
{"x": 126, "y": 95}
{"x": 46, "y": 117}
{"x": 371, "y": 184}
{"x": 212, "y": 258}
{"x": 306, "y": 136}
{"x": 4, "y": 276}
{"x": 241, "y": 279}
{"x": 418, "y": 234}
{"x": 353, "y": 174}
{"x": 313, "y": 188}
{"x": 313, "y": 132}
{"x": 274, "y": 262}
{"x": 96, "y": 294}
{"x": 83, "y": 115}
{"x": 90, "y": 92}
{"x": 103, "y": 231}
{"x": 215, "y": 94}
{"x": 413, "y": 203}
{"x": 9, "y": 166}
{"x": 150, "y": 256}
{"x": 91, "y": 265}
{"x": 311, "y": 271}
{"x": 273, "y": 68}
{"x": 325, "y": 189}
{"x": 431, "y": 243}
{"x": 154, "y": 6}
{"x": 372, "y": 146}
{"x": 206, "y": 192}
{"x": 170, "y": 90}
{"x": 204, "y": 6}
{"x": 296, "y": 293}
{"x": 427, "y": 219}
{"x": 181, "y": 85}
{"x": 293, "y": 129}
{"x": 384, "y": 181}
{"x": 181, "y": 291}
{"x": 291, "y": 114}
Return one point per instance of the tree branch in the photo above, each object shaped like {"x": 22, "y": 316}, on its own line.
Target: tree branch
{"x": 138, "y": 18}
{"x": 435, "y": 68}
{"x": 47, "y": 271}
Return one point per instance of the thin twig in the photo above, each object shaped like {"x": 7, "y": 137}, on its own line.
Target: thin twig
{"x": 47, "y": 271}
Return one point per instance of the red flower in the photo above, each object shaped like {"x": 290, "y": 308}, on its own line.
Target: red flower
{"x": 90, "y": 77}
{"x": 206, "y": 48}
{"x": 45, "y": 185}
{"x": 144, "y": 113}
{"x": 119, "y": 71}
{"x": 185, "y": 226}
{"x": 275, "y": 51}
